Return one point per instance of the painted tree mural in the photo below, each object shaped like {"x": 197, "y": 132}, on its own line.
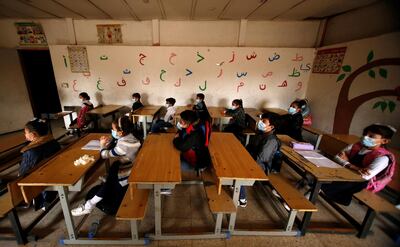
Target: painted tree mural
{"x": 345, "y": 107}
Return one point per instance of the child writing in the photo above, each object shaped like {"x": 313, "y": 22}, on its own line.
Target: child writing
{"x": 41, "y": 145}
{"x": 370, "y": 158}
{"x": 164, "y": 119}
{"x": 237, "y": 123}
{"x": 108, "y": 195}
{"x": 82, "y": 120}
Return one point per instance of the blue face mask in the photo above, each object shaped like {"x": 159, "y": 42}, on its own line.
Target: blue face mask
{"x": 261, "y": 126}
{"x": 179, "y": 126}
{"x": 114, "y": 134}
{"x": 292, "y": 110}
{"x": 368, "y": 142}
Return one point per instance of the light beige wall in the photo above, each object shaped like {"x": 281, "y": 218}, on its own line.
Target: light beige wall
{"x": 323, "y": 90}
{"x": 15, "y": 106}
{"x": 375, "y": 19}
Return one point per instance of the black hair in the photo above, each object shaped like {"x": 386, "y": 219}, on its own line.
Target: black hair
{"x": 38, "y": 126}
{"x": 382, "y": 130}
{"x": 200, "y": 96}
{"x": 238, "y": 102}
{"x": 299, "y": 103}
{"x": 124, "y": 124}
{"x": 136, "y": 95}
{"x": 84, "y": 95}
{"x": 189, "y": 116}
{"x": 171, "y": 101}
{"x": 272, "y": 117}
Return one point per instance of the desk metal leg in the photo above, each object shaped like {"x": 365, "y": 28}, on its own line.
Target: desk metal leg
{"x": 307, "y": 215}
{"x": 367, "y": 223}
{"x": 157, "y": 209}
{"x": 63, "y": 194}
{"x": 232, "y": 216}
{"x": 220, "y": 124}
{"x": 144, "y": 124}
{"x": 16, "y": 226}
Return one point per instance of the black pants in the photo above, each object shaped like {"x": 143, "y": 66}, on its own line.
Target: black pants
{"x": 111, "y": 191}
{"x": 342, "y": 192}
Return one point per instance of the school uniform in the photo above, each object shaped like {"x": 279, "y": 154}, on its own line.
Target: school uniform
{"x": 378, "y": 161}
{"x": 292, "y": 125}
{"x": 238, "y": 121}
{"x": 82, "y": 120}
{"x": 201, "y": 110}
{"x": 165, "y": 119}
{"x": 262, "y": 148}
{"x": 136, "y": 105}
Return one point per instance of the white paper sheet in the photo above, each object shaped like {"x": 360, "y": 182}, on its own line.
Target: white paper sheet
{"x": 92, "y": 145}
{"x": 318, "y": 159}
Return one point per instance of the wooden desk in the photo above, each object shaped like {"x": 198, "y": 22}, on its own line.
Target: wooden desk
{"x": 253, "y": 113}
{"x": 145, "y": 111}
{"x": 276, "y": 110}
{"x": 157, "y": 166}
{"x": 321, "y": 175}
{"x": 104, "y": 111}
{"x": 11, "y": 140}
{"x": 348, "y": 139}
{"x": 218, "y": 113}
{"x": 233, "y": 165}
{"x": 179, "y": 110}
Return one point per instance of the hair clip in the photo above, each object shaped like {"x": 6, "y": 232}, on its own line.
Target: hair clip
{"x": 387, "y": 125}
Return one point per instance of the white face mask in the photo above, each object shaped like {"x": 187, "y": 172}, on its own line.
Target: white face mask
{"x": 292, "y": 110}
{"x": 167, "y": 105}
{"x": 234, "y": 107}
{"x": 179, "y": 126}
{"x": 261, "y": 126}
{"x": 198, "y": 101}
{"x": 134, "y": 100}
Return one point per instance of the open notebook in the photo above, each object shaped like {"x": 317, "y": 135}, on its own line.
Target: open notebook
{"x": 318, "y": 159}
{"x": 92, "y": 145}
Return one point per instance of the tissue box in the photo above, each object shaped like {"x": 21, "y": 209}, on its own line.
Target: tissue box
{"x": 301, "y": 146}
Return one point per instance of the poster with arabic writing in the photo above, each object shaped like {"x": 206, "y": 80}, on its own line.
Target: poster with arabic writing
{"x": 329, "y": 61}
{"x": 30, "y": 33}
{"x": 78, "y": 59}
{"x": 109, "y": 34}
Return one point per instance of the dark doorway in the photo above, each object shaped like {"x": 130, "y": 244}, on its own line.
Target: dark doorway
{"x": 40, "y": 81}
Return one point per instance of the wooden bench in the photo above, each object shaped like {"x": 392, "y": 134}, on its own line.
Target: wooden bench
{"x": 292, "y": 197}
{"x": 133, "y": 208}
{"x": 10, "y": 163}
{"x": 219, "y": 203}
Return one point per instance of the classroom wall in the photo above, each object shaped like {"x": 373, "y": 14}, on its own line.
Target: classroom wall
{"x": 376, "y": 19}
{"x": 15, "y": 107}
{"x": 262, "y": 77}
{"x": 323, "y": 89}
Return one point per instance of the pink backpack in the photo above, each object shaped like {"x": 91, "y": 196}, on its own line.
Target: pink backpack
{"x": 378, "y": 182}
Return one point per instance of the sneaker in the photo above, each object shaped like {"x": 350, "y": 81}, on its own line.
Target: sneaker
{"x": 307, "y": 195}
{"x": 102, "y": 179}
{"x": 166, "y": 192}
{"x": 81, "y": 210}
{"x": 242, "y": 203}
{"x": 275, "y": 193}
{"x": 286, "y": 206}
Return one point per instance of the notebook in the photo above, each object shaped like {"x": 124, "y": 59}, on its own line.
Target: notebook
{"x": 318, "y": 159}
{"x": 92, "y": 145}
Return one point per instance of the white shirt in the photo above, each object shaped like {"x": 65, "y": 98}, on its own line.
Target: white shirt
{"x": 170, "y": 114}
{"x": 377, "y": 165}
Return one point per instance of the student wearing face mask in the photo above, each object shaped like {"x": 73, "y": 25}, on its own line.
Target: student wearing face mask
{"x": 164, "y": 118}
{"x": 293, "y": 121}
{"x": 370, "y": 159}
{"x": 136, "y": 103}
{"x": 264, "y": 148}
{"x": 82, "y": 120}
{"x": 200, "y": 108}
{"x": 108, "y": 195}
{"x": 237, "y": 123}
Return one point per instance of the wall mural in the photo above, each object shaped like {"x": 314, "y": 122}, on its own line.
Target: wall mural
{"x": 346, "y": 108}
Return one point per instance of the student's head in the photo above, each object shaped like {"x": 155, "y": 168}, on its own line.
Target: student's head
{"x": 84, "y": 96}
{"x": 296, "y": 106}
{"x": 199, "y": 97}
{"x": 237, "y": 103}
{"x": 122, "y": 126}
{"x": 170, "y": 102}
{"x": 267, "y": 122}
{"x": 377, "y": 135}
{"x": 136, "y": 97}
{"x": 35, "y": 129}
{"x": 188, "y": 117}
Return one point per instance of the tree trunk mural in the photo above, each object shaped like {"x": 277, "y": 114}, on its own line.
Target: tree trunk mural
{"x": 345, "y": 108}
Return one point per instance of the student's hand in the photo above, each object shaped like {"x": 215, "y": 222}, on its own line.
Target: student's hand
{"x": 364, "y": 171}
{"x": 104, "y": 140}
{"x": 343, "y": 156}
{"x": 176, "y": 135}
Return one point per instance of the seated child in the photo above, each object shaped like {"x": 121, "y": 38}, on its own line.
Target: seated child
{"x": 108, "y": 195}
{"x": 264, "y": 148}
{"x": 306, "y": 112}
{"x": 41, "y": 146}
{"x": 82, "y": 120}
{"x": 292, "y": 123}
{"x": 200, "y": 108}
{"x": 237, "y": 123}
{"x": 370, "y": 158}
{"x": 136, "y": 102}
{"x": 165, "y": 117}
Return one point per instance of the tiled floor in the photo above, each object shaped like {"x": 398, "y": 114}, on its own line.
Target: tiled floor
{"x": 186, "y": 210}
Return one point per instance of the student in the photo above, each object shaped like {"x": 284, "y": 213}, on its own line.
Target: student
{"x": 293, "y": 122}
{"x": 108, "y": 195}
{"x": 164, "y": 118}
{"x": 136, "y": 102}
{"x": 41, "y": 146}
{"x": 200, "y": 108}
{"x": 264, "y": 148}
{"x": 370, "y": 158}
{"x": 82, "y": 120}
{"x": 237, "y": 123}
{"x": 191, "y": 140}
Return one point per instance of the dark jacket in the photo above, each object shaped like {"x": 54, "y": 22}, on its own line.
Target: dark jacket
{"x": 33, "y": 154}
{"x": 238, "y": 117}
{"x": 202, "y": 111}
{"x": 137, "y": 105}
{"x": 292, "y": 125}
{"x": 192, "y": 144}
{"x": 263, "y": 148}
